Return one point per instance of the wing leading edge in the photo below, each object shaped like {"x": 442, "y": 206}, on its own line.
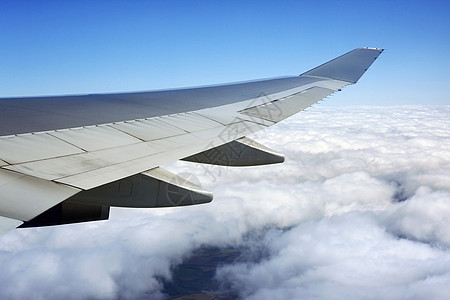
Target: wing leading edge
{"x": 75, "y": 156}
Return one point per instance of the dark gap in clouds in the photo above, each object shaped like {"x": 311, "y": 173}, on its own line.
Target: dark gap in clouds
{"x": 254, "y": 248}
{"x": 404, "y": 187}
{"x": 404, "y": 236}
{"x": 432, "y": 244}
{"x": 400, "y": 192}
{"x": 195, "y": 277}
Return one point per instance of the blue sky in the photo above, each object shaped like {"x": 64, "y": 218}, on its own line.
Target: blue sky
{"x": 71, "y": 47}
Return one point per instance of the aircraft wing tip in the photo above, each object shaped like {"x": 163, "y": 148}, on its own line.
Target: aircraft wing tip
{"x": 372, "y": 48}
{"x": 348, "y": 67}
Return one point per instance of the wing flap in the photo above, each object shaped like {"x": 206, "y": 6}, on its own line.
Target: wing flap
{"x": 279, "y": 110}
{"x": 227, "y": 115}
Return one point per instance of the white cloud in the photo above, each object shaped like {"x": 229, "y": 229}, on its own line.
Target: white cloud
{"x": 424, "y": 217}
{"x": 341, "y": 257}
{"x": 360, "y": 209}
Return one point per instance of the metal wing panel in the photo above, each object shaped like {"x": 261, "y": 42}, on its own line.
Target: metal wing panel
{"x": 33, "y": 147}
{"x": 171, "y": 149}
{"x": 168, "y": 150}
{"x": 52, "y": 169}
{"x": 190, "y": 122}
{"x": 111, "y": 173}
{"x": 95, "y": 138}
{"x": 148, "y": 129}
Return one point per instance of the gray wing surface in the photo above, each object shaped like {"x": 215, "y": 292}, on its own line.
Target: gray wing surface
{"x": 66, "y": 159}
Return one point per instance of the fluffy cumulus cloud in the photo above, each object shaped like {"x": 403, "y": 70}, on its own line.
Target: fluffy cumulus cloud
{"x": 360, "y": 209}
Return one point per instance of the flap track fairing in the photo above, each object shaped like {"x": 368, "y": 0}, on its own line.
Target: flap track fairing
{"x": 239, "y": 153}
{"x": 153, "y": 188}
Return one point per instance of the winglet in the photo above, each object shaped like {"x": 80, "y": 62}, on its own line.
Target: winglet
{"x": 348, "y": 67}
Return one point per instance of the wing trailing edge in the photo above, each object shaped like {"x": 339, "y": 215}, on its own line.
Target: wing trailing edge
{"x": 283, "y": 108}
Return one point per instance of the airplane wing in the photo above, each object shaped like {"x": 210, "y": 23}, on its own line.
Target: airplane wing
{"x": 67, "y": 159}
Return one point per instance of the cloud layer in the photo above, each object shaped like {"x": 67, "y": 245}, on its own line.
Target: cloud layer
{"x": 360, "y": 209}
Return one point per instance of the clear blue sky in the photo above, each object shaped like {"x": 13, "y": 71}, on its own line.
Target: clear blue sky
{"x": 67, "y": 47}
